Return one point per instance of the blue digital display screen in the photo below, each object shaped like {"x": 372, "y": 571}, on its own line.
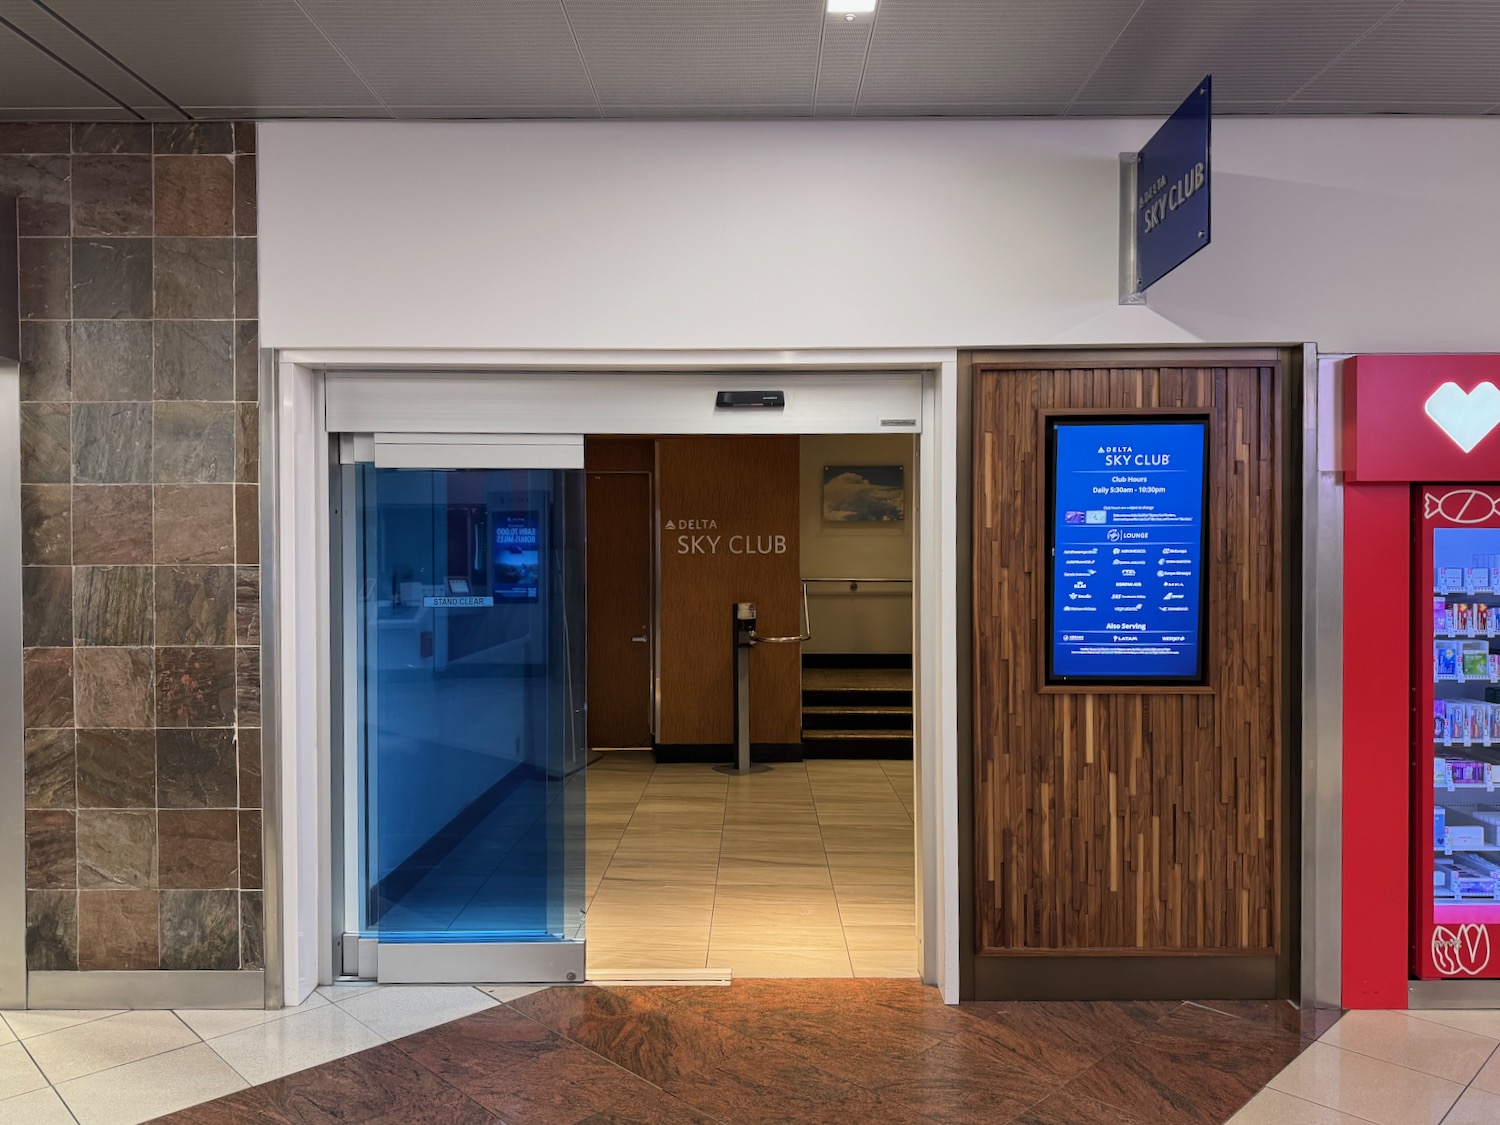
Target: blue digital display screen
{"x": 517, "y": 557}
{"x": 1126, "y": 536}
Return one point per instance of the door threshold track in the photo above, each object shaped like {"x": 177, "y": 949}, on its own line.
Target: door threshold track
{"x": 639, "y": 978}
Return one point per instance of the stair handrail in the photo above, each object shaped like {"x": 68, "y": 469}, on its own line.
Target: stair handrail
{"x": 805, "y": 635}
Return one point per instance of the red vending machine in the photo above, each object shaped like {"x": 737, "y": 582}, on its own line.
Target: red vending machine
{"x": 1418, "y": 456}
{"x": 1457, "y": 776}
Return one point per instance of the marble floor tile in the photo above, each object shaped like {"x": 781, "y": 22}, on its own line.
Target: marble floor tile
{"x": 6, "y": 1034}
{"x": 1378, "y": 1091}
{"x": 1475, "y": 1107}
{"x": 382, "y": 1086}
{"x": 1068, "y": 1108}
{"x": 1432, "y": 1048}
{"x": 40, "y": 1107}
{"x": 1488, "y": 1077}
{"x": 99, "y": 1045}
{"x": 770, "y": 961}
{"x": 18, "y": 1074}
{"x": 1479, "y": 1021}
{"x": 281, "y": 1047}
{"x": 151, "y": 1087}
{"x": 210, "y": 1023}
{"x": 1272, "y": 1107}
{"x": 338, "y": 993}
{"x": 884, "y": 962}
{"x": 505, "y": 993}
{"x": 26, "y": 1025}
{"x": 633, "y": 1029}
{"x": 404, "y": 1008}
{"x": 1192, "y": 1065}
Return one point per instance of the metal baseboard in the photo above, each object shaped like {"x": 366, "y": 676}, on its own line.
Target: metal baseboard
{"x": 1125, "y": 978}
{"x": 1427, "y": 994}
{"x": 550, "y": 962}
{"x": 159, "y": 989}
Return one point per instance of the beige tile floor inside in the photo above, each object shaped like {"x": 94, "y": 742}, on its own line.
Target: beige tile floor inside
{"x": 805, "y": 871}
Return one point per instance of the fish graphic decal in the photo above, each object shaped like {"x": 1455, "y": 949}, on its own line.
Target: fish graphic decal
{"x": 1461, "y": 505}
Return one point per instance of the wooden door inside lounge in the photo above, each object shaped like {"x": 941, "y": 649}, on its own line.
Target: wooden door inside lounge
{"x": 620, "y": 612}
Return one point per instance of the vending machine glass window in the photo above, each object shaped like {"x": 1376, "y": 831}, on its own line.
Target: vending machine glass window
{"x": 1458, "y": 731}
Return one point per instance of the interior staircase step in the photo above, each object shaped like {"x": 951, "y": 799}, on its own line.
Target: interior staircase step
{"x": 815, "y": 735}
{"x": 857, "y": 709}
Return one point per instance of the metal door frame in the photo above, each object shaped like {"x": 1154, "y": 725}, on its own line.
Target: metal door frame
{"x": 355, "y": 956}
{"x": 295, "y": 581}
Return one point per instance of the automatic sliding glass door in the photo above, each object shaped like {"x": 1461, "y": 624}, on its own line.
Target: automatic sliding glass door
{"x": 467, "y": 753}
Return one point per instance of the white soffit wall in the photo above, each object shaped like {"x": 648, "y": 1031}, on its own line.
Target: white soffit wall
{"x": 1362, "y": 234}
{"x": 440, "y": 402}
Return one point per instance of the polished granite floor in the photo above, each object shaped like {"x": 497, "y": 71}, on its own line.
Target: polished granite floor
{"x": 753, "y": 1052}
{"x": 811, "y": 1051}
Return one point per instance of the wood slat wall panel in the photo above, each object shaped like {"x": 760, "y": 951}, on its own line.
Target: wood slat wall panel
{"x": 1117, "y": 822}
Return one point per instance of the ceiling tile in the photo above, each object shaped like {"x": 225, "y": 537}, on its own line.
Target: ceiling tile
{"x": 700, "y": 57}
{"x": 54, "y": 35}
{"x": 868, "y": 108}
{"x": 1261, "y": 51}
{"x": 931, "y": 53}
{"x": 491, "y": 112}
{"x": 1163, "y": 107}
{"x": 30, "y": 82}
{"x": 518, "y": 54}
{"x": 1373, "y": 106}
{"x": 841, "y": 63}
{"x": 222, "y": 52}
{"x": 1427, "y": 52}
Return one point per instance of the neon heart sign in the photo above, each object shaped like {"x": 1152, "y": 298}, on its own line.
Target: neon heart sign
{"x": 1466, "y": 417}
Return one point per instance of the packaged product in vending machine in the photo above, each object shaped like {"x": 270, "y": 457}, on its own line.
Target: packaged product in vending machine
{"x": 1439, "y": 719}
{"x": 1464, "y": 772}
{"x": 1439, "y": 826}
{"x": 1440, "y": 625}
{"x": 1479, "y": 722}
{"x": 1463, "y": 617}
{"x": 1494, "y": 735}
{"x": 1445, "y": 659}
{"x": 1449, "y": 579}
{"x": 1476, "y": 660}
{"x": 1477, "y": 579}
{"x": 1484, "y": 613}
{"x": 1440, "y": 771}
{"x": 1458, "y": 720}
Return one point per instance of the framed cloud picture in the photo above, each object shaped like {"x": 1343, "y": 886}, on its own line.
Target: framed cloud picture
{"x": 864, "y": 494}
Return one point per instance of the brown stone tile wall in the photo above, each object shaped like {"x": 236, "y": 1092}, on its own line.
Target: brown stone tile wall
{"x": 141, "y": 598}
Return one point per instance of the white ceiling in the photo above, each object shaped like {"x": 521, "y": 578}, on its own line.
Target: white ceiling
{"x": 166, "y": 59}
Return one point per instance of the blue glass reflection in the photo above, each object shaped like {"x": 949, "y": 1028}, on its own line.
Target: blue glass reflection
{"x": 471, "y": 690}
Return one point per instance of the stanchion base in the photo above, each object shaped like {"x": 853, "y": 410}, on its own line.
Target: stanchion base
{"x": 755, "y": 767}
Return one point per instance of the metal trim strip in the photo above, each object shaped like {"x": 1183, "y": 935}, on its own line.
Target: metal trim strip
{"x": 270, "y": 681}
{"x": 154, "y": 988}
{"x": 481, "y": 963}
{"x": 12, "y": 702}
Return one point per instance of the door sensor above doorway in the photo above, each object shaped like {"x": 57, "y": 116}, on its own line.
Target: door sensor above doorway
{"x": 729, "y": 400}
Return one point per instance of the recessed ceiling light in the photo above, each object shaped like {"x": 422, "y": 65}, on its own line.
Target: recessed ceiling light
{"x": 850, "y": 7}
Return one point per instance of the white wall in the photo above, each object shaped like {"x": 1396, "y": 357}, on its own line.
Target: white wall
{"x": 1359, "y": 234}
{"x": 874, "y": 618}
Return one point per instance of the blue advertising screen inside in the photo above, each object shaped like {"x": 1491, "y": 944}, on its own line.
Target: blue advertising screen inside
{"x": 517, "y": 556}
{"x": 1126, "y": 534}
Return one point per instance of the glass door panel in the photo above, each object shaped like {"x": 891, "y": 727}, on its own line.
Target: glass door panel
{"x": 470, "y": 715}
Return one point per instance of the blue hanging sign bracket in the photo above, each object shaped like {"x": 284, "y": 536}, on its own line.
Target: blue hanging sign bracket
{"x": 1164, "y": 197}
